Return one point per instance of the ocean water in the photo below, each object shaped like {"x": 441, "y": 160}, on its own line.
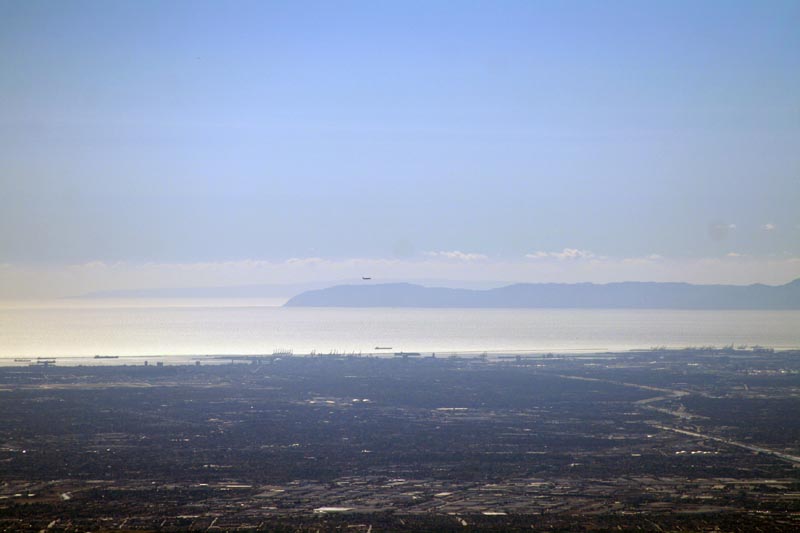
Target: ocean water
{"x": 139, "y": 328}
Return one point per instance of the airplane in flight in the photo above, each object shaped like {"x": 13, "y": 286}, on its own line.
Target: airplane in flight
{"x": 366, "y": 278}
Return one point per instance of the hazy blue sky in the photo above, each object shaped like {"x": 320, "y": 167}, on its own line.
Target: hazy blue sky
{"x": 195, "y": 133}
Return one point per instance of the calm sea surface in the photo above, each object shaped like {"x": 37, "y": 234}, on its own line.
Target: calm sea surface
{"x": 140, "y": 328}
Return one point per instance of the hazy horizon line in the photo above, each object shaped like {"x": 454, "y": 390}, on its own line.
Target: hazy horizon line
{"x": 454, "y": 267}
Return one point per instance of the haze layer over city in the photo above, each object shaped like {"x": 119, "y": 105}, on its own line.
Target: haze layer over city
{"x": 399, "y": 266}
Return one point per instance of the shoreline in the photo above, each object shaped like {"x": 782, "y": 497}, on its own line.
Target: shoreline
{"x": 489, "y": 356}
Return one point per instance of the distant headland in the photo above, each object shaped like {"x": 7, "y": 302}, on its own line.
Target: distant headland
{"x": 625, "y": 295}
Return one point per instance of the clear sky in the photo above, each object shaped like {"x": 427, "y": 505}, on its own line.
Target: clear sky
{"x": 291, "y": 141}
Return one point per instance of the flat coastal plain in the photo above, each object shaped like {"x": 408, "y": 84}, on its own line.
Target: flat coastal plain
{"x": 686, "y": 440}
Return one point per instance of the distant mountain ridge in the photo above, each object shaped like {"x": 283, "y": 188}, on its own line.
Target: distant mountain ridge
{"x": 624, "y": 295}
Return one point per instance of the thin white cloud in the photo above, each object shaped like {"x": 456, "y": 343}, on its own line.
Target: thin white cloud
{"x": 563, "y": 255}
{"x": 91, "y": 265}
{"x": 304, "y": 261}
{"x": 457, "y": 255}
{"x": 641, "y": 260}
{"x": 719, "y": 231}
{"x": 769, "y": 226}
